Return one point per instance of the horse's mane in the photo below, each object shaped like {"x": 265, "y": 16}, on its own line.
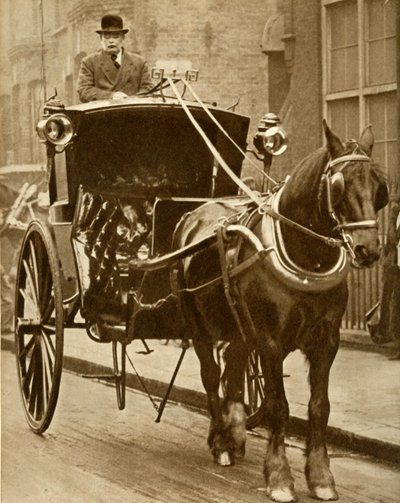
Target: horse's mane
{"x": 303, "y": 187}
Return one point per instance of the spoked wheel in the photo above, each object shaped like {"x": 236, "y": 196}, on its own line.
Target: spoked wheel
{"x": 254, "y": 390}
{"x": 119, "y": 359}
{"x": 39, "y": 326}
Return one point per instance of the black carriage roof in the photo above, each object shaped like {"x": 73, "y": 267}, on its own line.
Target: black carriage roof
{"x": 138, "y": 139}
{"x": 140, "y": 102}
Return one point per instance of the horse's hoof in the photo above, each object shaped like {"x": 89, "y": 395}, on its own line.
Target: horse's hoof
{"x": 325, "y": 493}
{"x": 224, "y": 459}
{"x": 282, "y": 495}
{"x": 239, "y": 453}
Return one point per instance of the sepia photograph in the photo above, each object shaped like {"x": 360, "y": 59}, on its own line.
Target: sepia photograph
{"x": 200, "y": 251}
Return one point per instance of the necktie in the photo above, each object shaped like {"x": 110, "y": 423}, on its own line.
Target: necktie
{"x": 114, "y": 59}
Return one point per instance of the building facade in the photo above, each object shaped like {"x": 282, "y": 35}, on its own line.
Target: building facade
{"x": 341, "y": 59}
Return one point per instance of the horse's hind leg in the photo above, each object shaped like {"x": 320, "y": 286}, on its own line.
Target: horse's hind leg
{"x": 210, "y": 377}
{"x": 319, "y": 477}
{"x": 233, "y": 412}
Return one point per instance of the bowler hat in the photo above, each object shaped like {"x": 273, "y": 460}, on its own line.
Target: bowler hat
{"x": 111, "y": 24}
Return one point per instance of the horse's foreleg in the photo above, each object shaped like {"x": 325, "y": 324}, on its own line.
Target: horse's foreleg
{"x": 319, "y": 477}
{"x": 280, "y": 484}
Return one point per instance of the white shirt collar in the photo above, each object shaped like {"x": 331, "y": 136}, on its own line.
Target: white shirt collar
{"x": 119, "y": 56}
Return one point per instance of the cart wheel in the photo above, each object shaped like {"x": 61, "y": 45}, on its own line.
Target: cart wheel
{"x": 119, "y": 359}
{"x": 39, "y": 326}
{"x": 254, "y": 390}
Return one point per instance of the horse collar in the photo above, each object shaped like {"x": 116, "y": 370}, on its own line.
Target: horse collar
{"x": 279, "y": 262}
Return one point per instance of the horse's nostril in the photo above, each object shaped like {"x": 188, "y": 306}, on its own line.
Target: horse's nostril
{"x": 361, "y": 251}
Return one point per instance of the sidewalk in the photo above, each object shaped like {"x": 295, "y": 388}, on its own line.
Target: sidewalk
{"x": 364, "y": 388}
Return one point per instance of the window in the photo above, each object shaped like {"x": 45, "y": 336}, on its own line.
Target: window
{"x": 380, "y": 40}
{"x": 359, "y": 58}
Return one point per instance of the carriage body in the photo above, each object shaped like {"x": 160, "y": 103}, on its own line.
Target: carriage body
{"x": 121, "y": 175}
{"x": 141, "y": 155}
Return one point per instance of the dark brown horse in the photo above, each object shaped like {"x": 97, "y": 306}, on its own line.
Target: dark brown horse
{"x": 286, "y": 281}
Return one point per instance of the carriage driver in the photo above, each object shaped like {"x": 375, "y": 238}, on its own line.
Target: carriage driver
{"x": 112, "y": 72}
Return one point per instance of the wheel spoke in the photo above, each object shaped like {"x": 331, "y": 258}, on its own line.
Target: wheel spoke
{"x": 46, "y": 294}
{"x": 30, "y": 384}
{"x": 51, "y": 350}
{"x": 48, "y": 309}
{"x": 48, "y": 351}
{"x": 28, "y": 299}
{"x": 27, "y": 375}
{"x": 38, "y": 383}
{"x": 33, "y": 263}
{"x": 254, "y": 382}
{"x": 27, "y": 348}
{"x": 31, "y": 282}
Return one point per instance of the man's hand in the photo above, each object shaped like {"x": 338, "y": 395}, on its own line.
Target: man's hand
{"x": 118, "y": 95}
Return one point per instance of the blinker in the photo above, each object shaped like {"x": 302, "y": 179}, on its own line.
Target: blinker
{"x": 381, "y": 197}
{"x": 336, "y": 188}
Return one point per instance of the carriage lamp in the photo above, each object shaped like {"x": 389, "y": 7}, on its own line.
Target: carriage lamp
{"x": 270, "y": 138}
{"x": 57, "y": 129}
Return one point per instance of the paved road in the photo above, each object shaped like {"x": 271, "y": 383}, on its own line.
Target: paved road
{"x": 94, "y": 453}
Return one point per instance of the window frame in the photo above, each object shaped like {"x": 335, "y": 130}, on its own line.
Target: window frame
{"x": 363, "y": 90}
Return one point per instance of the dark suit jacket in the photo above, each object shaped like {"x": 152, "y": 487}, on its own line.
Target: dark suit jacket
{"x": 99, "y": 79}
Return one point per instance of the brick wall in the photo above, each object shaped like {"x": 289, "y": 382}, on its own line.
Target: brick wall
{"x": 306, "y": 86}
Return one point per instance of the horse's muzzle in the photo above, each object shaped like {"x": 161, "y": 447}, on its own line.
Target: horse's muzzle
{"x": 366, "y": 256}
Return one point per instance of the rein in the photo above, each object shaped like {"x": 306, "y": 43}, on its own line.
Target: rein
{"x": 263, "y": 207}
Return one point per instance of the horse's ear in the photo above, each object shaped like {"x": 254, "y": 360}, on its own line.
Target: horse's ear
{"x": 333, "y": 143}
{"x": 366, "y": 140}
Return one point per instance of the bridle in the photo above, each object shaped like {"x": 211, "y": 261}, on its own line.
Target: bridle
{"x": 341, "y": 227}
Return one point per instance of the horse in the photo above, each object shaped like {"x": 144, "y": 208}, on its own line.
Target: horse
{"x": 276, "y": 286}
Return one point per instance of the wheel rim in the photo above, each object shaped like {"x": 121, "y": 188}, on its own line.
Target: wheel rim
{"x": 119, "y": 372}
{"x": 38, "y": 327}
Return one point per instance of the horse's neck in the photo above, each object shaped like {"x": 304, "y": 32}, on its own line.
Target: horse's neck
{"x": 300, "y": 202}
